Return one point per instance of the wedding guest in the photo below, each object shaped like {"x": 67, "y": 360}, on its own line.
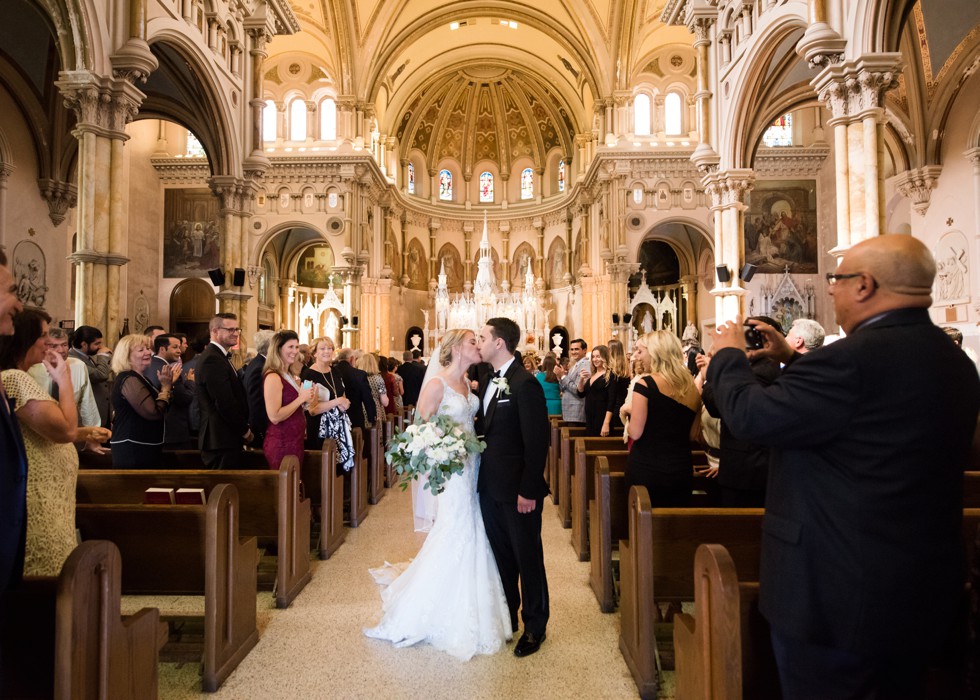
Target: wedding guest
{"x": 362, "y": 410}
{"x": 412, "y": 371}
{"x": 13, "y": 458}
{"x": 88, "y": 409}
{"x": 49, "y": 427}
{"x": 284, "y": 400}
{"x": 572, "y": 402}
{"x": 619, "y": 367}
{"x": 87, "y": 346}
{"x": 596, "y": 386}
{"x": 393, "y": 385}
{"x": 549, "y": 382}
{"x": 221, "y": 397}
{"x": 368, "y": 363}
{"x": 176, "y": 424}
{"x": 326, "y": 418}
{"x": 139, "y": 407}
{"x": 663, "y": 410}
{"x": 258, "y": 419}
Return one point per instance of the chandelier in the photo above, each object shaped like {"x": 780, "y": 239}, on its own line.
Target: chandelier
{"x": 472, "y": 310}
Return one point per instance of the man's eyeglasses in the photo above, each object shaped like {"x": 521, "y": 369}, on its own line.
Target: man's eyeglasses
{"x": 834, "y": 277}
{"x": 231, "y": 330}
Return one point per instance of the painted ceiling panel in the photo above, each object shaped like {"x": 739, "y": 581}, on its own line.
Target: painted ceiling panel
{"x": 947, "y": 23}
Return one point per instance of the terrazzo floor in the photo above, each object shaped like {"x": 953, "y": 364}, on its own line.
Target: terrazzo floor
{"x": 315, "y": 649}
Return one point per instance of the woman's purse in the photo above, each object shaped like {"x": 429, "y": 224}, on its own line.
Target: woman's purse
{"x": 335, "y": 424}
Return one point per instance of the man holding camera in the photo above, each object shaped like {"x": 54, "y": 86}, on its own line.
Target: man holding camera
{"x": 861, "y": 575}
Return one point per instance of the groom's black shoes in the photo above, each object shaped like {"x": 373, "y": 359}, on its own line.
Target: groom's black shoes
{"x": 528, "y": 644}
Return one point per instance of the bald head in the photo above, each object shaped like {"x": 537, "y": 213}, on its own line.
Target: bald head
{"x": 902, "y": 266}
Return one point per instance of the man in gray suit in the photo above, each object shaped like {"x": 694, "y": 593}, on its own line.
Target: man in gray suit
{"x": 86, "y": 345}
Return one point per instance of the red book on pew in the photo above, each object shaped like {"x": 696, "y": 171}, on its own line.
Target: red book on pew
{"x": 159, "y": 496}
{"x": 190, "y": 497}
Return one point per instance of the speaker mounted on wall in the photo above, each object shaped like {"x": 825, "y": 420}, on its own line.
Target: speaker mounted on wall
{"x": 724, "y": 274}
{"x": 238, "y": 278}
{"x": 217, "y": 276}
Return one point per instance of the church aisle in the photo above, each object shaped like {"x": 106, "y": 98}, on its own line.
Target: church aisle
{"x": 315, "y": 649}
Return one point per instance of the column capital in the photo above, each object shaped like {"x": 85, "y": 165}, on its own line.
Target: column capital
{"x": 699, "y": 21}
{"x": 729, "y": 187}
{"x": 853, "y": 88}
{"x": 60, "y": 197}
{"x": 101, "y": 104}
{"x": 234, "y": 193}
{"x": 917, "y": 184}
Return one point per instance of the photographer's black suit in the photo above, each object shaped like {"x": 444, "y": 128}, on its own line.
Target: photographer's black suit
{"x": 517, "y": 433}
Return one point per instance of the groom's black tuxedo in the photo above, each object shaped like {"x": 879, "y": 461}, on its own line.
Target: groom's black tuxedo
{"x": 516, "y": 429}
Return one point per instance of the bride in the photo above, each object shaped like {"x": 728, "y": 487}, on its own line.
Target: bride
{"x": 450, "y": 595}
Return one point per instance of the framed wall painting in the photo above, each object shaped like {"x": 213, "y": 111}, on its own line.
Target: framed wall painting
{"x": 781, "y": 226}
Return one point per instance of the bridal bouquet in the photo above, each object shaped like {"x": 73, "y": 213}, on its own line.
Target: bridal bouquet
{"x": 433, "y": 450}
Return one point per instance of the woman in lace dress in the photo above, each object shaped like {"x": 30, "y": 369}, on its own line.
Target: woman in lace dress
{"x": 451, "y": 595}
{"x": 49, "y": 426}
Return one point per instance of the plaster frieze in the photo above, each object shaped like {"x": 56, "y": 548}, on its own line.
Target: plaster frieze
{"x": 852, "y": 88}
{"x": 917, "y": 184}
{"x": 791, "y": 161}
{"x": 101, "y": 104}
{"x": 59, "y": 196}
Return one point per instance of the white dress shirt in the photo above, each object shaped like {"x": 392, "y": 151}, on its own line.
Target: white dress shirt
{"x": 492, "y": 388}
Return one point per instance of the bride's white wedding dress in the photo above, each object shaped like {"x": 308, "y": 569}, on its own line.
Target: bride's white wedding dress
{"x": 450, "y": 595}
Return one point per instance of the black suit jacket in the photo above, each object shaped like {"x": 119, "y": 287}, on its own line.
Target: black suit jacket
{"x": 517, "y": 433}
{"x": 358, "y": 392}
{"x": 177, "y": 428}
{"x": 861, "y": 538}
{"x": 258, "y": 417}
{"x": 221, "y": 397}
{"x": 13, "y": 497}
{"x": 412, "y": 373}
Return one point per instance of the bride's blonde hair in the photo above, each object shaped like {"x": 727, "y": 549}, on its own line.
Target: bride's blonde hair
{"x": 452, "y": 338}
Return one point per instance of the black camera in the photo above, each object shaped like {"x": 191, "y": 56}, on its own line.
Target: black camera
{"x": 754, "y": 339}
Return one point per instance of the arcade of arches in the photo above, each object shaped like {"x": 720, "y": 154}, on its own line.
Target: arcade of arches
{"x": 337, "y": 154}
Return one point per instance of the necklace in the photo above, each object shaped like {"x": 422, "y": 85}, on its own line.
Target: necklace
{"x": 328, "y": 381}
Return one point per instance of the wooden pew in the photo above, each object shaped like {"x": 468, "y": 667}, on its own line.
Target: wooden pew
{"x": 325, "y": 489}
{"x": 554, "y": 452}
{"x": 656, "y": 566}
{"x": 390, "y": 430}
{"x": 563, "y": 485}
{"x": 356, "y": 482}
{"x": 608, "y": 524}
{"x": 64, "y": 636}
{"x": 189, "y": 550}
{"x": 723, "y": 652}
{"x": 270, "y": 499}
{"x": 376, "y": 464}
{"x": 172, "y": 459}
{"x": 583, "y": 484}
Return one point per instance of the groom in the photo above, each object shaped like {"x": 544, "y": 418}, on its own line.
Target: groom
{"x": 513, "y": 419}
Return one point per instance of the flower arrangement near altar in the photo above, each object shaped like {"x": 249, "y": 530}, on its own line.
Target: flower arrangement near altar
{"x": 433, "y": 450}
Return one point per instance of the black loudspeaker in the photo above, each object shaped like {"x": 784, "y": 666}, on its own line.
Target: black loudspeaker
{"x": 724, "y": 274}
{"x": 353, "y": 321}
{"x": 615, "y": 319}
{"x": 747, "y": 272}
{"x": 343, "y": 320}
{"x": 627, "y": 318}
{"x": 217, "y": 276}
{"x": 239, "y": 277}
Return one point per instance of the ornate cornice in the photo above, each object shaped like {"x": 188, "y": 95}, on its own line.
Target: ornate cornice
{"x": 791, "y": 161}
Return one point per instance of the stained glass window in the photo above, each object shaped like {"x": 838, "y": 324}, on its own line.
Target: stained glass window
{"x": 780, "y": 132}
{"x": 411, "y": 179}
{"x": 641, "y": 115}
{"x": 486, "y": 187}
{"x": 445, "y": 185}
{"x": 297, "y": 120}
{"x": 269, "y": 121}
{"x": 561, "y": 176}
{"x": 527, "y": 183}
{"x": 328, "y": 120}
{"x": 672, "y": 113}
{"x": 194, "y": 147}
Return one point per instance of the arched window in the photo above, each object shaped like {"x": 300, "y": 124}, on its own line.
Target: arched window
{"x": 445, "y": 185}
{"x": 561, "y": 176}
{"x": 527, "y": 183}
{"x": 194, "y": 148}
{"x": 297, "y": 120}
{"x": 269, "y": 122}
{"x": 328, "y": 120}
{"x": 780, "y": 132}
{"x": 641, "y": 115}
{"x": 486, "y": 187}
{"x": 672, "y": 113}
{"x": 411, "y": 179}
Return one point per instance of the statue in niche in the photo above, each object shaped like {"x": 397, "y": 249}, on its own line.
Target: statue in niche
{"x": 646, "y": 323}
{"x": 951, "y": 271}
{"x": 556, "y": 339}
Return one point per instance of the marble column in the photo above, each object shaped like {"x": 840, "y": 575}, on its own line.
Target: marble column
{"x": 103, "y": 106}
{"x": 234, "y": 195}
{"x": 854, "y": 91}
{"x": 728, "y": 189}
{"x": 704, "y": 156}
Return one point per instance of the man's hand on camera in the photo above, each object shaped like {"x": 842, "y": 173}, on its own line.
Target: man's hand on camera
{"x": 775, "y": 346}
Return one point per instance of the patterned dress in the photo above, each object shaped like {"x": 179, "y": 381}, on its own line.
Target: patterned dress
{"x": 52, "y": 470}
{"x": 285, "y": 438}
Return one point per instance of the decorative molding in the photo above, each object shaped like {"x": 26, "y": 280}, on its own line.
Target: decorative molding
{"x": 791, "y": 161}
{"x": 101, "y": 104}
{"x": 917, "y": 184}
{"x": 60, "y": 197}
{"x": 92, "y": 256}
{"x": 852, "y": 88}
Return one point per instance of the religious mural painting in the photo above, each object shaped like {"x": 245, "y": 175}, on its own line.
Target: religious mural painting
{"x": 523, "y": 259}
{"x": 450, "y": 261}
{"x": 417, "y": 266}
{"x": 315, "y": 266}
{"x": 781, "y": 226}
{"x": 556, "y": 264}
{"x": 191, "y": 233}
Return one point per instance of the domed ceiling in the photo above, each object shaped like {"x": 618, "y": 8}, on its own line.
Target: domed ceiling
{"x": 483, "y": 113}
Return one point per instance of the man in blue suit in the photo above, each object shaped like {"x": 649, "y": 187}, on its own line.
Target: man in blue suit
{"x": 13, "y": 459}
{"x": 861, "y": 576}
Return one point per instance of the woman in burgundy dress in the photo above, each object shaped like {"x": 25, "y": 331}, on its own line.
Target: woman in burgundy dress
{"x": 284, "y": 400}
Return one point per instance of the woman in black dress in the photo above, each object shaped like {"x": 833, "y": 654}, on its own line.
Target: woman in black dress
{"x": 331, "y": 391}
{"x": 663, "y": 411}
{"x": 599, "y": 387}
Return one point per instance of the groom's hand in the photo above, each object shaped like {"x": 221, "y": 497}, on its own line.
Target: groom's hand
{"x": 525, "y": 505}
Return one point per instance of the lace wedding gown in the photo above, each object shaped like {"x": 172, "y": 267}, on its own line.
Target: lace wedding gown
{"x": 450, "y": 595}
